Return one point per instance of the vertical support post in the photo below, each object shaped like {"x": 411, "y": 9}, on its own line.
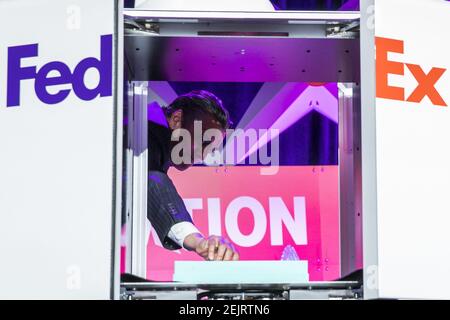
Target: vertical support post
{"x": 128, "y": 175}
{"x": 136, "y": 256}
{"x": 118, "y": 75}
{"x": 350, "y": 177}
{"x": 369, "y": 160}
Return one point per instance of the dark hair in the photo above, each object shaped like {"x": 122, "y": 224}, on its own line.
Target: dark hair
{"x": 203, "y": 101}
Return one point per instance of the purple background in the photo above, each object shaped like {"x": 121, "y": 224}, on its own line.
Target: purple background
{"x": 312, "y": 140}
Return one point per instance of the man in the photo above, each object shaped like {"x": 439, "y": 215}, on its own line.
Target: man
{"x": 166, "y": 210}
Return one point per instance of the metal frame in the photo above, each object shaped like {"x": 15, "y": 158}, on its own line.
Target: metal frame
{"x": 128, "y": 201}
{"x": 242, "y": 286}
{"x": 312, "y": 16}
{"x": 136, "y": 233}
{"x": 117, "y": 144}
{"x": 350, "y": 177}
{"x": 369, "y": 165}
{"x": 180, "y": 23}
{"x": 271, "y": 291}
{"x": 292, "y": 24}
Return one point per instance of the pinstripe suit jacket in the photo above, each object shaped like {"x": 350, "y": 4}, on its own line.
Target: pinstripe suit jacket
{"x": 164, "y": 205}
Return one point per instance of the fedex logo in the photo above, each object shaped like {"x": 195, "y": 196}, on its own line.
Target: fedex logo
{"x": 43, "y": 80}
{"x": 385, "y": 67}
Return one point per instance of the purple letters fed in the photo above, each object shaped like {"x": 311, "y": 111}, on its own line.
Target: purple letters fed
{"x": 17, "y": 73}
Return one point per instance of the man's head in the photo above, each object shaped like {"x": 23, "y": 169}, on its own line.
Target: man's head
{"x": 190, "y": 110}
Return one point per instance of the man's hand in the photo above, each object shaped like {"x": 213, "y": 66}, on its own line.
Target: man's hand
{"x": 213, "y": 248}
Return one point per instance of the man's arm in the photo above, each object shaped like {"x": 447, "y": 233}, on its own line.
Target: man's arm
{"x": 185, "y": 234}
{"x": 165, "y": 208}
{"x": 174, "y": 226}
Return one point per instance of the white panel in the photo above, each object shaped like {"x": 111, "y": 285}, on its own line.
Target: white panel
{"x": 206, "y": 5}
{"x": 368, "y": 150}
{"x": 413, "y": 157}
{"x": 56, "y": 163}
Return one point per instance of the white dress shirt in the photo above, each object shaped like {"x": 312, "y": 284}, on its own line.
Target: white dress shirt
{"x": 180, "y": 231}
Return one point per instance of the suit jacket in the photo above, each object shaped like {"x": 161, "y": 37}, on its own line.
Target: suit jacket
{"x": 165, "y": 207}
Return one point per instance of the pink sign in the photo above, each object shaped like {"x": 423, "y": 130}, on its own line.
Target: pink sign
{"x": 261, "y": 214}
